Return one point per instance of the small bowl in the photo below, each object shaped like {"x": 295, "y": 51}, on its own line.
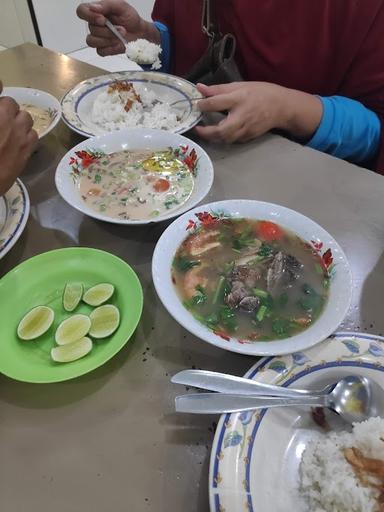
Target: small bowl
{"x": 340, "y": 291}
{"x": 135, "y": 139}
{"x": 37, "y": 98}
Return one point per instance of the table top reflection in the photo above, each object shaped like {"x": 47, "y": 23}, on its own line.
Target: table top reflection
{"x": 111, "y": 439}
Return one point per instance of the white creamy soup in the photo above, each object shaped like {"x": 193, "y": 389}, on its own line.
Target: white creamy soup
{"x": 136, "y": 185}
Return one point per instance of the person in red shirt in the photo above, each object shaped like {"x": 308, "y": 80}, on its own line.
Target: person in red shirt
{"x": 312, "y": 69}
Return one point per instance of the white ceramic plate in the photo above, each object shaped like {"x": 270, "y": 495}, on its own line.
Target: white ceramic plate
{"x": 14, "y": 212}
{"x": 339, "y": 293}
{"x": 77, "y": 103}
{"x": 135, "y": 139}
{"x": 256, "y": 456}
{"x": 37, "y": 98}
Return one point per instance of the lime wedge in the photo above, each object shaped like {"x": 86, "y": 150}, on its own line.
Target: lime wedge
{"x": 98, "y": 294}
{"x": 72, "y": 296}
{"x": 105, "y": 320}
{"x": 72, "y": 351}
{"x": 35, "y": 323}
{"x": 72, "y": 329}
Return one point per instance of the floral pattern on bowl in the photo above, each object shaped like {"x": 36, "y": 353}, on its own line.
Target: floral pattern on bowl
{"x": 15, "y": 212}
{"x": 86, "y": 157}
{"x": 81, "y": 156}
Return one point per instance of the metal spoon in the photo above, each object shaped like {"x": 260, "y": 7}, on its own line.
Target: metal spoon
{"x": 354, "y": 398}
{"x": 225, "y": 383}
{"x": 114, "y": 31}
{"x": 184, "y": 100}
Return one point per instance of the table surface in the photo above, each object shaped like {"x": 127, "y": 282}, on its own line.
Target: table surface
{"x": 111, "y": 439}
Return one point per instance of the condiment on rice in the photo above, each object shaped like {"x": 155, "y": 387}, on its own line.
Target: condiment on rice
{"x": 144, "y": 52}
{"x": 124, "y": 105}
{"x": 344, "y": 472}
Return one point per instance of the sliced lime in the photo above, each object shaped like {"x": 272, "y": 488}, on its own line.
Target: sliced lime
{"x": 72, "y": 296}
{"x": 98, "y": 294}
{"x": 72, "y": 351}
{"x": 35, "y": 323}
{"x": 105, "y": 320}
{"x": 72, "y": 329}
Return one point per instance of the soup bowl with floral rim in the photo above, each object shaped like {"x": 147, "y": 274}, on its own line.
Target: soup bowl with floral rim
{"x": 331, "y": 257}
{"x": 76, "y": 164}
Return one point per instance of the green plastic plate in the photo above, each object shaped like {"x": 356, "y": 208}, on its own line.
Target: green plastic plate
{"x": 40, "y": 281}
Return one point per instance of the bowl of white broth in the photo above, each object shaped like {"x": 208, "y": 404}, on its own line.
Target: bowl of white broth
{"x": 44, "y": 108}
{"x": 135, "y": 176}
{"x": 252, "y": 277}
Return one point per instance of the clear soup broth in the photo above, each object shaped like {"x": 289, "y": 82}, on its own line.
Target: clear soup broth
{"x": 252, "y": 280}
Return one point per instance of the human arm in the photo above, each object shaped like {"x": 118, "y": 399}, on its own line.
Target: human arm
{"x": 127, "y": 20}
{"x": 255, "y": 108}
{"x": 17, "y": 141}
{"x": 337, "y": 125}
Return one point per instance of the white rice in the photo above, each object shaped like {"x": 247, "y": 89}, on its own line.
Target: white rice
{"x": 108, "y": 111}
{"x": 142, "y": 51}
{"x": 328, "y": 481}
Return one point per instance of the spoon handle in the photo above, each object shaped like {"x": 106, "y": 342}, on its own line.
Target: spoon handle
{"x": 114, "y": 31}
{"x": 224, "y": 383}
{"x": 219, "y": 403}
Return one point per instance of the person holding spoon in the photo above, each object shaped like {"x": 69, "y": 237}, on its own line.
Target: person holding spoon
{"x": 17, "y": 141}
{"x": 312, "y": 70}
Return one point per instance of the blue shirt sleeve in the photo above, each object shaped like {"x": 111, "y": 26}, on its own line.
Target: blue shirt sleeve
{"x": 347, "y": 130}
{"x": 166, "y": 47}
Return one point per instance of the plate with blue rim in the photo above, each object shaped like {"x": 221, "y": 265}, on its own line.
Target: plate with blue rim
{"x": 77, "y": 103}
{"x": 255, "y": 459}
{"x": 14, "y": 213}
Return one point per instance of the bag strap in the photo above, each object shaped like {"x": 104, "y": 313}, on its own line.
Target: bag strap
{"x": 209, "y": 24}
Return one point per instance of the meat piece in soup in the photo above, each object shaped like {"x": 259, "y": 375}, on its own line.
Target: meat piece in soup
{"x": 249, "y": 279}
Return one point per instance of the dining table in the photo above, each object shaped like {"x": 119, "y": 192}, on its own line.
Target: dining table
{"x": 111, "y": 440}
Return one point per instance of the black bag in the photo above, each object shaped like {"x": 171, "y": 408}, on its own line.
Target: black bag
{"x": 217, "y": 65}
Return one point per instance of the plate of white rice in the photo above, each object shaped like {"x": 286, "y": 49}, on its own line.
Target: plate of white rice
{"x": 131, "y": 99}
{"x": 286, "y": 459}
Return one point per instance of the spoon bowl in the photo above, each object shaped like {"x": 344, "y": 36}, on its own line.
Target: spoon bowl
{"x": 354, "y": 398}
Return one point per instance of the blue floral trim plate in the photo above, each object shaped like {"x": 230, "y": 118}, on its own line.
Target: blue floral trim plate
{"x": 77, "y": 103}
{"x": 256, "y": 455}
{"x": 14, "y": 212}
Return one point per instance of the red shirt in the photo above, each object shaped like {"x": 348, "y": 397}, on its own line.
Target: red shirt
{"x": 323, "y": 47}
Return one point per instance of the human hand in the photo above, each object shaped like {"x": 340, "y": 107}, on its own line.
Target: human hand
{"x": 17, "y": 141}
{"x": 255, "y": 108}
{"x": 126, "y": 19}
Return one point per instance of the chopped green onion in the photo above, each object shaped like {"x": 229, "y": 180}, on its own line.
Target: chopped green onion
{"x": 261, "y": 313}
{"x": 183, "y": 264}
{"x": 262, "y": 294}
{"x": 220, "y": 289}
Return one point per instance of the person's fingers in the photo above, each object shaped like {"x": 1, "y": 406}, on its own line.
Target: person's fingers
{"x": 208, "y": 132}
{"x": 114, "y": 49}
{"x": 9, "y": 107}
{"x": 102, "y": 42}
{"x": 213, "y": 90}
{"x": 24, "y": 122}
{"x": 217, "y": 103}
{"x": 230, "y": 126}
{"x": 104, "y": 32}
{"x": 92, "y": 13}
{"x": 32, "y": 140}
